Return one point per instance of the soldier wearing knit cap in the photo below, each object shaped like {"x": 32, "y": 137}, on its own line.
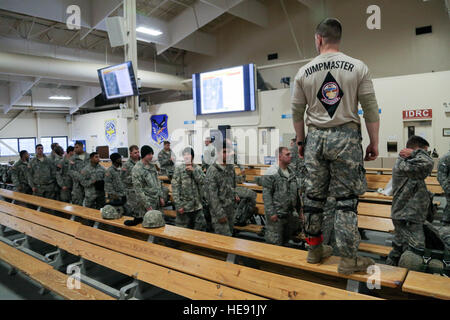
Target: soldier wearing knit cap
{"x": 147, "y": 186}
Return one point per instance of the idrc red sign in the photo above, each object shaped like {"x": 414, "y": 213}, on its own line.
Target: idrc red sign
{"x": 417, "y": 114}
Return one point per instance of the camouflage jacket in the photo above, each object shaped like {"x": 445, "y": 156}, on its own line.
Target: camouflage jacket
{"x": 41, "y": 172}
{"x": 76, "y": 164}
{"x": 165, "y": 161}
{"x": 62, "y": 173}
{"x": 126, "y": 174}
{"x": 19, "y": 174}
{"x": 280, "y": 194}
{"x": 220, "y": 188}
{"x": 187, "y": 188}
{"x": 146, "y": 185}
{"x": 90, "y": 175}
{"x": 410, "y": 195}
{"x": 443, "y": 174}
{"x": 114, "y": 187}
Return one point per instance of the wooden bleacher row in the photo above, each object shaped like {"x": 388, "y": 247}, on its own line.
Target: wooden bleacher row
{"x": 128, "y": 255}
{"x": 374, "y": 181}
{"x": 288, "y": 257}
{"x": 371, "y": 217}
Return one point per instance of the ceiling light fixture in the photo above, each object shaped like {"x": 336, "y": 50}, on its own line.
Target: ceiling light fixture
{"x": 149, "y": 31}
{"x": 60, "y": 98}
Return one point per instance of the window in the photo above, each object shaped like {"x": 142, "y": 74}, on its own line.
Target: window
{"x": 28, "y": 144}
{"x": 62, "y": 141}
{"x": 47, "y": 143}
{"x": 9, "y": 147}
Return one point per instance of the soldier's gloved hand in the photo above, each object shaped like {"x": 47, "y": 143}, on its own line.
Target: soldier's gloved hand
{"x": 181, "y": 210}
{"x": 223, "y": 220}
{"x": 274, "y": 218}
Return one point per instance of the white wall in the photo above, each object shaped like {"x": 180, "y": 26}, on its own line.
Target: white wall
{"x": 394, "y": 94}
{"x": 392, "y": 51}
{"x": 32, "y": 125}
{"x": 91, "y": 127}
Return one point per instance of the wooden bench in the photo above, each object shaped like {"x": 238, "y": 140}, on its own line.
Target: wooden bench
{"x": 376, "y": 181}
{"x": 266, "y": 284}
{"x": 157, "y": 275}
{"x": 244, "y": 278}
{"x": 390, "y": 276}
{"x": 46, "y": 276}
{"x": 426, "y": 284}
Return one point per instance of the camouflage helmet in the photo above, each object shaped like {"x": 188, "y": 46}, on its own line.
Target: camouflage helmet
{"x": 109, "y": 212}
{"x": 153, "y": 219}
{"x": 411, "y": 261}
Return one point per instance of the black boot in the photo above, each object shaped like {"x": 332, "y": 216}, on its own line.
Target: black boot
{"x": 135, "y": 222}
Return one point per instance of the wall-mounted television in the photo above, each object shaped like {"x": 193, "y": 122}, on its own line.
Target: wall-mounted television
{"x": 118, "y": 81}
{"x": 226, "y": 90}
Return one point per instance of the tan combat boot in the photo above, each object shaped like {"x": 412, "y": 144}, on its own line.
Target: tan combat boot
{"x": 352, "y": 265}
{"x": 319, "y": 253}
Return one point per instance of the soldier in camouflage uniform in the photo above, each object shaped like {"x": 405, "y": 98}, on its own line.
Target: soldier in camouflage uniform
{"x": 41, "y": 175}
{"x": 328, "y": 89}
{"x": 54, "y": 156}
{"x": 187, "y": 189}
{"x": 411, "y": 198}
{"x": 281, "y": 198}
{"x": 220, "y": 190}
{"x": 114, "y": 187}
{"x": 146, "y": 185}
{"x": 166, "y": 159}
{"x": 93, "y": 181}
{"x": 58, "y": 155}
{"x": 78, "y": 161}
{"x": 443, "y": 177}
{"x": 132, "y": 203}
{"x": 63, "y": 178}
{"x": 19, "y": 174}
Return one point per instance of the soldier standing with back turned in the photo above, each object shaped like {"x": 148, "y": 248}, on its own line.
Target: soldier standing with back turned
{"x": 331, "y": 85}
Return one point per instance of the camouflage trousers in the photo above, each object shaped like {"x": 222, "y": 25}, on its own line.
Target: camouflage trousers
{"x": 280, "y": 232}
{"x": 334, "y": 162}
{"x": 132, "y": 207}
{"x": 406, "y": 233}
{"x": 226, "y": 228}
{"x": 446, "y": 213}
{"x": 77, "y": 194}
{"x": 191, "y": 220}
{"x": 65, "y": 195}
{"x": 329, "y": 217}
{"x": 46, "y": 191}
{"x": 24, "y": 188}
{"x": 94, "y": 199}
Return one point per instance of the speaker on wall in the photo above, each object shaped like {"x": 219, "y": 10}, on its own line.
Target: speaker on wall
{"x": 115, "y": 26}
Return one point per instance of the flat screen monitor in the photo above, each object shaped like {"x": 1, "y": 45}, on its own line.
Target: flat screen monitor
{"x": 226, "y": 90}
{"x": 118, "y": 81}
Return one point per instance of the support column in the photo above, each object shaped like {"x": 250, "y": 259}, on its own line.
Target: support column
{"x": 131, "y": 55}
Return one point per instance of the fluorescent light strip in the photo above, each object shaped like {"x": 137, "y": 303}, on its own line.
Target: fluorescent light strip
{"x": 149, "y": 31}
{"x": 60, "y": 98}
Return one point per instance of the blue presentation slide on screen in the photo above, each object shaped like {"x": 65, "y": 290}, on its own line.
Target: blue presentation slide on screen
{"x": 117, "y": 81}
{"x": 222, "y": 90}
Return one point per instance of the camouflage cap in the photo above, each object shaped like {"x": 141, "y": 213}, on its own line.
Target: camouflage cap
{"x": 153, "y": 219}
{"x": 109, "y": 212}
